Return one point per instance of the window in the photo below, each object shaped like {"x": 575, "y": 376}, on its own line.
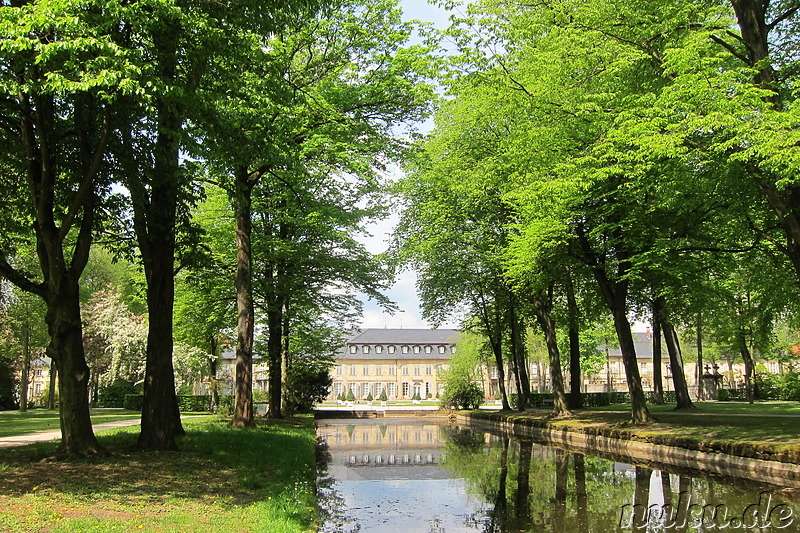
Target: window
{"x": 378, "y": 389}
{"x": 417, "y": 370}
{"x": 37, "y": 389}
{"x": 379, "y": 349}
{"x": 428, "y": 369}
{"x": 354, "y": 389}
{"x": 416, "y": 349}
{"x": 494, "y": 372}
{"x": 405, "y": 389}
{"x": 39, "y": 372}
{"x": 452, "y": 349}
{"x": 378, "y": 370}
{"x": 391, "y": 349}
{"x": 352, "y": 370}
{"x": 439, "y": 368}
{"x": 338, "y": 388}
{"x": 365, "y": 371}
{"x": 405, "y": 370}
{"x": 427, "y": 389}
{"x": 353, "y": 349}
{"x": 404, "y": 349}
{"x": 338, "y": 370}
{"x": 428, "y": 349}
{"x": 365, "y": 349}
{"x": 392, "y": 389}
{"x": 391, "y": 370}
{"x": 442, "y": 349}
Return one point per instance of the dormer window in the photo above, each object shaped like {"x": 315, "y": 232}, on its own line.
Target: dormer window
{"x": 442, "y": 349}
{"x": 428, "y": 349}
{"x": 353, "y": 349}
{"x": 365, "y": 349}
{"x": 405, "y": 349}
{"x": 416, "y": 349}
{"x": 392, "y": 349}
{"x": 379, "y": 349}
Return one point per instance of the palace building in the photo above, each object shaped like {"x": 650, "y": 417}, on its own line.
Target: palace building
{"x": 403, "y": 363}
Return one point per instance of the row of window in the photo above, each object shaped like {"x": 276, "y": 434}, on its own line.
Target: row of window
{"x": 390, "y": 369}
{"x": 366, "y": 348}
{"x": 362, "y": 390}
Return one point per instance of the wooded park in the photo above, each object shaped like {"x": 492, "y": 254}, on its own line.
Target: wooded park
{"x": 207, "y": 168}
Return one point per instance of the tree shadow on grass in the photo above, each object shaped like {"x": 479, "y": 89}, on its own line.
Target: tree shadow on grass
{"x": 215, "y": 463}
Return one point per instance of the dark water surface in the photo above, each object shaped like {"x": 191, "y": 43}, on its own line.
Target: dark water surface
{"x": 429, "y": 475}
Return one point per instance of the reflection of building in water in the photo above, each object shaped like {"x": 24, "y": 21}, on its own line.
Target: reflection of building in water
{"x": 363, "y": 448}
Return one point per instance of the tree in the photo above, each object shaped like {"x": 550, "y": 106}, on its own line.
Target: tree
{"x": 61, "y": 75}
{"x": 461, "y": 389}
{"x": 342, "y": 81}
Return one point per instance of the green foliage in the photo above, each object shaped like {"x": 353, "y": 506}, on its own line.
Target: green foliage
{"x": 114, "y": 393}
{"x": 350, "y": 396}
{"x": 306, "y": 386}
{"x": 133, "y": 402}
{"x": 383, "y": 396}
{"x": 369, "y": 397}
{"x": 194, "y": 403}
{"x": 8, "y": 385}
{"x": 783, "y": 386}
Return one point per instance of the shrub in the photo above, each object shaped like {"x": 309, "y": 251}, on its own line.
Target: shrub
{"x": 467, "y": 396}
{"x": 194, "y": 403}
{"x": 383, "y": 397}
{"x": 350, "y": 396}
{"x": 416, "y": 397}
{"x": 133, "y": 402}
{"x": 369, "y": 397}
{"x": 113, "y": 394}
{"x": 225, "y": 406}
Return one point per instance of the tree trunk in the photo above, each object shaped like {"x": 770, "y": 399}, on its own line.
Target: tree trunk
{"x": 748, "y": 365}
{"x": 274, "y": 349}
{"x": 155, "y": 218}
{"x": 243, "y": 407}
{"x": 575, "y": 377}
{"x": 161, "y": 419}
{"x": 51, "y": 400}
{"x": 699, "y": 369}
{"x": 518, "y": 351}
{"x": 24, "y": 375}
{"x": 615, "y": 293}
{"x": 286, "y": 363}
{"x": 682, "y": 396}
{"x": 639, "y": 412}
{"x": 541, "y": 308}
{"x": 493, "y": 329}
{"x": 658, "y": 379}
{"x": 66, "y": 347}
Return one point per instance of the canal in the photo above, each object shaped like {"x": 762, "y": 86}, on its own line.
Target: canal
{"x": 432, "y": 475}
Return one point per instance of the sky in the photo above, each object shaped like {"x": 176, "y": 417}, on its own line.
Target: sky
{"x": 403, "y": 292}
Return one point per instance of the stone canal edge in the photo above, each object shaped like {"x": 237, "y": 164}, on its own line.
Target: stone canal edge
{"x": 738, "y": 460}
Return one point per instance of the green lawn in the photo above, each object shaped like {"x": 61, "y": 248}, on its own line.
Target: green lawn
{"x": 16, "y": 423}
{"x": 221, "y": 480}
{"x": 733, "y": 427}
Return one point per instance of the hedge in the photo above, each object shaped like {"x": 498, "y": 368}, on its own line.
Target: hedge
{"x": 185, "y": 402}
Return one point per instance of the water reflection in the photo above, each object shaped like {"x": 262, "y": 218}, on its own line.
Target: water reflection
{"x": 429, "y": 477}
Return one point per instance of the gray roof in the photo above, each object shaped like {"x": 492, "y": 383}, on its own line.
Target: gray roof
{"x": 644, "y": 347}
{"x": 399, "y": 338}
{"x": 406, "y": 336}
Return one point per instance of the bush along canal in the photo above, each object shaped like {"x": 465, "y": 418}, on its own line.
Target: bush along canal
{"x": 438, "y": 475}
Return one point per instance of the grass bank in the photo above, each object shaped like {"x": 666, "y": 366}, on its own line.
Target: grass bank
{"x": 14, "y": 423}
{"x": 762, "y": 431}
{"x": 222, "y": 480}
